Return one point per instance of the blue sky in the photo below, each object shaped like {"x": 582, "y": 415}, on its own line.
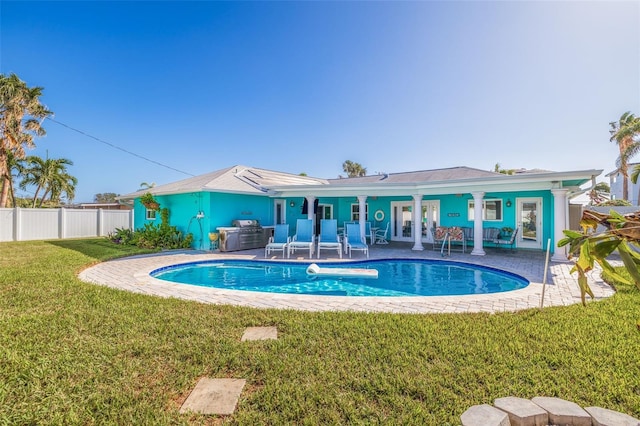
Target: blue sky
{"x": 304, "y": 86}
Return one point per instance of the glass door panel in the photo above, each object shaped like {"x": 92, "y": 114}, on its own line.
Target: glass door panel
{"x": 530, "y": 222}
{"x": 430, "y": 219}
{"x": 401, "y": 223}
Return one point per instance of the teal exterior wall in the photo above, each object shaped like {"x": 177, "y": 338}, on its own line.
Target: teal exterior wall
{"x": 183, "y": 214}
{"x": 224, "y": 208}
{"x": 216, "y": 209}
{"x": 220, "y": 209}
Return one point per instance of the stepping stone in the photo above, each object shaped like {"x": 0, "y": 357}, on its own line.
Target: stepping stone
{"x": 604, "y": 417}
{"x": 260, "y": 333}
{"x": 484, "y": 415}
{"x": 214, "y": 396}
{"x": 563, "y": 412}
{"x": 522, "y": 412}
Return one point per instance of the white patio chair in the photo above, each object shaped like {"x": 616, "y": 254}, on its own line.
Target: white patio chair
{"x": 354, "y": 240}
{"x": 381, "y": 235}
{"x": 279, "y": 241}
{"x": 329, "y": 236}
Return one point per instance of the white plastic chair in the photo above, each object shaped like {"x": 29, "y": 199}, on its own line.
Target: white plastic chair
{"x": 381, "y": 235}
{"x": 279, "y": 241}
{"x": 354, "y": 240}
{"x": 304, "y": 238}
{"x": 329, "y": 236}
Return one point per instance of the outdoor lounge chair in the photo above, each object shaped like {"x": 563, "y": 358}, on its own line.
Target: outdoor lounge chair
{"x": 368, "y": 234}
{"x": 279, "y": 241}
{"x": 329, "y": 236}
{"x": 304, "y": 238}
{"x": 439, "y": 234}
{"x": 381, "y": 235}
{"x": 355, "y": 240}
{"x": 444, "y": 237}
{"x": 504, "y": 242}
{"x": 456, "y": 237}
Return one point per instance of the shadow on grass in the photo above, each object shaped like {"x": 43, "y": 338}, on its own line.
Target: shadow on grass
{"x": 100, "y": 248}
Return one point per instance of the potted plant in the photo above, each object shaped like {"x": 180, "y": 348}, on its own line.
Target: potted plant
{"x": 507, "y": 231}
{"x": 149, "y": 202}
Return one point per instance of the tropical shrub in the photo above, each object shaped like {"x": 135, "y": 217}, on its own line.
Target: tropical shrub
{"x": 614, "y": 203}
{"x": 622, "y": 234}
{"x": 151, "y": 236}
{"x": 121, "y": 236}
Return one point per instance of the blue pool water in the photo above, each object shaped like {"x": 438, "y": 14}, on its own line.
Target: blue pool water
{"x": 396, "y": 277}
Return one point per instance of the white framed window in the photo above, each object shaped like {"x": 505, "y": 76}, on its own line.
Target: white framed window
{"x": 355, "y": 212}
{"x": 150, "y": 214}
{"x": 491, "y": 210}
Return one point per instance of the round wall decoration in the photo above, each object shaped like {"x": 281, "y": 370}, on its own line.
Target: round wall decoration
{"x": 378, "y": 215}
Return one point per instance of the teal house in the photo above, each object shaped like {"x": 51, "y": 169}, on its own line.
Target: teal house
{"x": 407, "y": 204}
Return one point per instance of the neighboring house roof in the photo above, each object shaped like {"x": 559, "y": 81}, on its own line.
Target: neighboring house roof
{"x": 236, "y": 179}
{"x": 616, "y": 171}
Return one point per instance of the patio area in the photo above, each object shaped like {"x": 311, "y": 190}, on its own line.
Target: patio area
{"x": 132, "y": 274}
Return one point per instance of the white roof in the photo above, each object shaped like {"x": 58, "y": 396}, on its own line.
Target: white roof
{"x": 455, "y": 180}
{"x": 236, "y": 179}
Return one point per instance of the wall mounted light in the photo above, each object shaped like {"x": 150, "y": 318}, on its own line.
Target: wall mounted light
{"x": 292, "y": 204}
{"x": 508, "y": 203}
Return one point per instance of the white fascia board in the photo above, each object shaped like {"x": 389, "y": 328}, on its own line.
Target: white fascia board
{"x": 191, "y": 190}
{"x": 511, "y": 183}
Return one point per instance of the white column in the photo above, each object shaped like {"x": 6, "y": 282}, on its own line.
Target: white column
{"x": 477, "y": 224}
{"x": 132, "y": 222}
{"x": 310, "y": 213}
{"x": 417, "y": 222}
{"x": 559, "y": 223}
{"x": 362, "y": 208}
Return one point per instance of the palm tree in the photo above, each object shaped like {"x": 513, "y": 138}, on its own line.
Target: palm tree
{"x": 624, "y": 133}
{"x": 145, "y": 185}
{"x": 498, "y": 169}
{"x": 353, "y": 169}
{"x": 50, "y": 176}
{"x": 63, "y": 183}
{"x": 21, "y": 116}
{"x": 13, "y": 165}
{"x": 599, "y": 193}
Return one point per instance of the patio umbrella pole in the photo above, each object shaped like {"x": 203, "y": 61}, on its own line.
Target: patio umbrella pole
{"x": 546, "y": 268}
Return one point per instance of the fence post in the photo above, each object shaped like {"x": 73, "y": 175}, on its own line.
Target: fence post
{"x": 131, "y": 219}
{"x": 62, "y": 223}
{"x": 17, "y": 223}
{"x": 100, "y": 222}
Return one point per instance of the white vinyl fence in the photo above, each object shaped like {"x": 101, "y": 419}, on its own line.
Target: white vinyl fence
{"x": 48, "y": 224}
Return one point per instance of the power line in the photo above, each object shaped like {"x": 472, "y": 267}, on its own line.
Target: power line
{"x": 119, "y": 148}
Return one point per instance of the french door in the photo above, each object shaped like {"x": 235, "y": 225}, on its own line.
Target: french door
{"x": 529, "y": 221}
{"x": 402, "y": 220}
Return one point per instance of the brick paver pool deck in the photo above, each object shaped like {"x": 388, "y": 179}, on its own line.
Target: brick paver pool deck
{"x": 132, "y": 274}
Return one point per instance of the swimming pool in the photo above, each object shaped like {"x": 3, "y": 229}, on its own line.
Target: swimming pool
{"x": 396, "y": 277}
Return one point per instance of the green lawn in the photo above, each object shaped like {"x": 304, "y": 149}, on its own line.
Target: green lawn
{"x": 77, "y": 353}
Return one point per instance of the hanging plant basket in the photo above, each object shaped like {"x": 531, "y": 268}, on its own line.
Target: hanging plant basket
{"x": 149, "y": 202}
{"x": 152, "y": 205}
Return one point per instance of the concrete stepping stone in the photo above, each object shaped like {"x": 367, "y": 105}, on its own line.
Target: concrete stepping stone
{"x": 484, "y": 415}
{"x": 214, "y": 396}
{"x": 522, "y": 412}
{"x": 562, "y": 412}
{"x": 604, "y": 417}
{"x": 260, "y": 333}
